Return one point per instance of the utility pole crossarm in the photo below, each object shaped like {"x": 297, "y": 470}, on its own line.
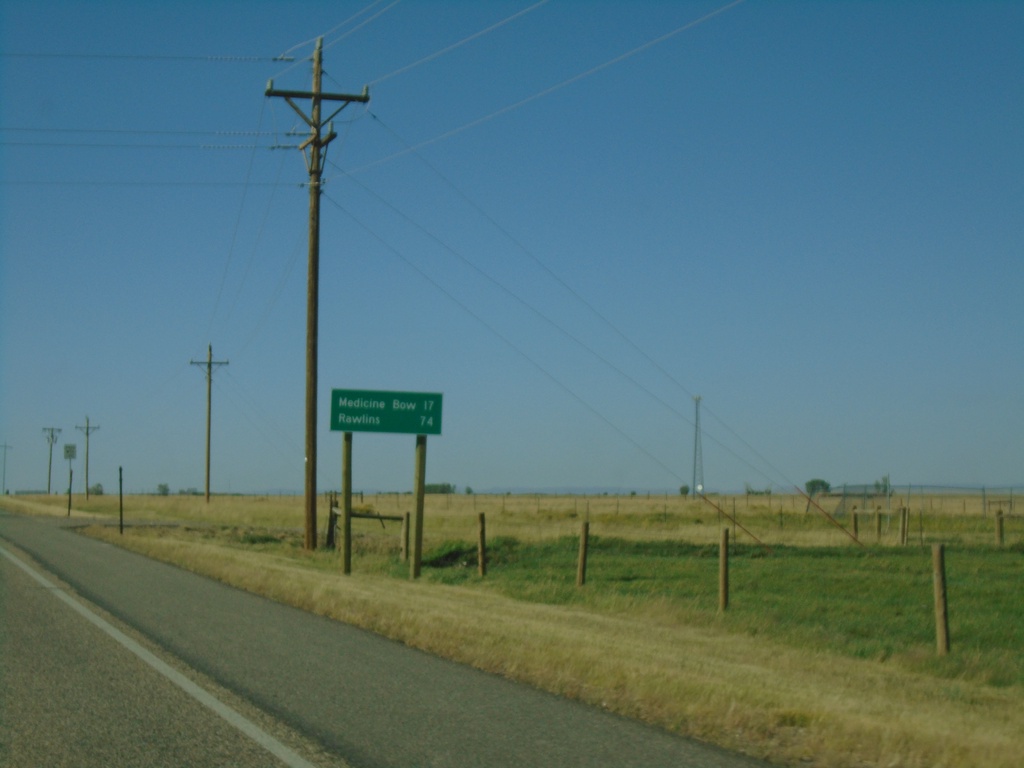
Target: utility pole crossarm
{"x": 362, "y": 98}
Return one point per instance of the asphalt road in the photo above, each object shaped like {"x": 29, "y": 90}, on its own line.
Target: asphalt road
{"x": 70, "y": 695}
{"x": 322, "y": 691}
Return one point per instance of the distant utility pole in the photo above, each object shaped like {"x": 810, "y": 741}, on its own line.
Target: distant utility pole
{"x": 210, "y": 362}
{"x": 698, "y": 452}
{"x": 51, "y": 438}
{"x": 315, "y": 149}
{"x": 87, "y": 429}
{"x": 3, "y": 487}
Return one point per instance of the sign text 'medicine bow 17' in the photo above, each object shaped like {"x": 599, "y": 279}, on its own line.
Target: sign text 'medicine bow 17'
{"x": 357, "y": 410}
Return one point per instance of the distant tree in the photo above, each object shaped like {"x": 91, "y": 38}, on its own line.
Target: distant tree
{"x": 439, "y": 488}
{"x": 469, "y": 491}
{"x": 882, "y": 486}
{"x": 817, "y": 485}
{"x": 684, "y": 490}
{"x": 163, "y": 489}
{"x": 96, "y": 490}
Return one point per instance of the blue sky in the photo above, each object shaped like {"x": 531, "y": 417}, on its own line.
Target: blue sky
{"x": 811, "y": 214}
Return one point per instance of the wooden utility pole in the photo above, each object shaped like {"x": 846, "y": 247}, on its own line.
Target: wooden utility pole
{"x": 210, "y": 362}
{"x": 51, "y": 438}
{"x": 315, "y": 149}
{"x": 87, "y": 430}
{"x": 3, "y": 486}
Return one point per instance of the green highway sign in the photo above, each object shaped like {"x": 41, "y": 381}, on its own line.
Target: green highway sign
{"x": 359, "y": 410}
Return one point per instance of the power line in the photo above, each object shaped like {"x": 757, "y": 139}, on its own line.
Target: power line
{"x": 274, "y": 296}
{"x": 319, "y": 39}
{"x": 557, "y": 87}
{"x": 249, "y": 401}
{"x": 335, "y": 28}
{"x": 362, "y": 24}
{"x": 579, "y": 298}
{"x": 145, "y": 57}
{"x": 459, "y": 44}
{"x": 508, "y": 342}
{"x": 86, "y": 183}
{"x": 271, "y": 200}
{"x": 140, "y": 131}
{"x": 523, "y": 302}
{"x": 136, "y": 145}
{"x": 238, "y": 224}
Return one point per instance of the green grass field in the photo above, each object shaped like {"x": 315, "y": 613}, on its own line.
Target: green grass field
{"x": 874, "y": 604}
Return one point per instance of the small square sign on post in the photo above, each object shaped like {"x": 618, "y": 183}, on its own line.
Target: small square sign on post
{"x": 70, "y": 451}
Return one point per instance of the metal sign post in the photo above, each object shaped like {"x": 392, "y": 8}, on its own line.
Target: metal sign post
{"x": 69, "y": 454}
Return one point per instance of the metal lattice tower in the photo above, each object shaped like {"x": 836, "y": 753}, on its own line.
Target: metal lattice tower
{"x": 698, "y": 451}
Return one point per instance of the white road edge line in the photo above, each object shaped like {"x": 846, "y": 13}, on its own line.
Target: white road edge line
{"x": 239, "y": 721}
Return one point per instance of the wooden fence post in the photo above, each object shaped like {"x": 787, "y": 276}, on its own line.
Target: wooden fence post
{"x": 581, "y": 566}
{"x": 346, "y": 539}
{"x": 482, "y": 547}
{"x": 999, "y": 528}
{"x": 405, "y": 538}
{"x": 941, "y": 613}
{"x": 332, "y": 522}
{"x": 855, "y": 519}
{"x": 723, "y": 572}
{"x": 878, "y": 526}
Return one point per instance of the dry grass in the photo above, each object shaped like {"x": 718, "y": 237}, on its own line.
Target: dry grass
{"x": 790, "y": 705}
